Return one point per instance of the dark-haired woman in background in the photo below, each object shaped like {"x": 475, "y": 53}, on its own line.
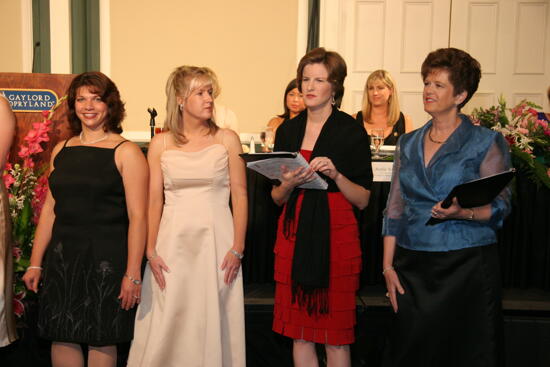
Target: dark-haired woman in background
{"x": 293, "y": 104}
{"x": 317, "y": 252}
{"x": 443, "y": 280}
{"x": 90, "y": 238}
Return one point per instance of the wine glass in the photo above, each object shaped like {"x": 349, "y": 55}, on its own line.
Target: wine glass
{"x": 377, "y": 137}
{"x": 269, "y": 138}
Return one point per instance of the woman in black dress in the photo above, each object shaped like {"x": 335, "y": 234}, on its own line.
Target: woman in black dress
{"x": 90, "y": 237}
{"x": 380, "y": 110}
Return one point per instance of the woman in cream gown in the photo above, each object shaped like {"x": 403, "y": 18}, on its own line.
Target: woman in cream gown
{"x": 192, "y": 312}
{"x": 7, "y": 322}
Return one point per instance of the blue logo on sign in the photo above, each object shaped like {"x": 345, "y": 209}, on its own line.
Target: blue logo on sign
{"x": 30, "y": 100}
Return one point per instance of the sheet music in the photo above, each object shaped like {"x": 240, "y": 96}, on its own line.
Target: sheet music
{"x": 271, "y": 168}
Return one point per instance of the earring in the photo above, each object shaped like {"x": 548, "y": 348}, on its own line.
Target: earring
{"x": 181, "y": 107}
{"x": 333, "y": 102}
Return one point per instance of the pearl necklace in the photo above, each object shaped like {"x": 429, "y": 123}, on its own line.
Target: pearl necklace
{"x": 93, "y": 141}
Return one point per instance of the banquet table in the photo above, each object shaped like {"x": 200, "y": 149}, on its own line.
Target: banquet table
{"x": 524, "y": 240}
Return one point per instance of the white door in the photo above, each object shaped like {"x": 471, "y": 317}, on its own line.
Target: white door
{"x": 395, "y": 35}
{"x": 511, "y": 40}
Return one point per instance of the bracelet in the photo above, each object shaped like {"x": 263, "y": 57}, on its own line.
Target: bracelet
{"x": 386, "y": 269}
{"x": 471, "y": 217}
{"x": 238, "y": 255}
{"x": 133, "y": 280}
{"x": 149, "y": 258}
{"x": 34, "y": 267}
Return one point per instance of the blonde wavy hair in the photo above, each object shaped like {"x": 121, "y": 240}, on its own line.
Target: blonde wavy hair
{"x": 393, "y": 101}
{"x": 184, "y": 80}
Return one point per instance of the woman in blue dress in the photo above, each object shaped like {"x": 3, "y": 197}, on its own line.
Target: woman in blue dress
{"x": 443, "y": 281}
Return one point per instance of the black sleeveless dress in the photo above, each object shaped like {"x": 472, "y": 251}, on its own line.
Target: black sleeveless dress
{"x": 370, "y": 219}
{"x": 86, "y": 259}
{"x": 397, "y": 131}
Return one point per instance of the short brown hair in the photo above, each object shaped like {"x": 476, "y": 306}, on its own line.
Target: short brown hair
{"x": 464, "y": 71}
{"x": 335, "y": 64}
{"x": 101, "y": 85}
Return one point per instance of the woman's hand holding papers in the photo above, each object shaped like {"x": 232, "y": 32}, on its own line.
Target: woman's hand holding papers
{"x": 299, "y": 176}
{"x": 325, "y": 166}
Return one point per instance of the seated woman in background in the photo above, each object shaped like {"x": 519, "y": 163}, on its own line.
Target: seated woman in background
{"x": 293, "y": 104}
{"x": 545, "y": 116}
{"x": 381, "y": 108}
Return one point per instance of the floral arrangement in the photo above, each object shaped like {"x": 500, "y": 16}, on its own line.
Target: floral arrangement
{"x": 528, "y": 137}
{"x": 27, "y": 186}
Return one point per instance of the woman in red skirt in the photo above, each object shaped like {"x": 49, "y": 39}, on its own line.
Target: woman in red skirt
{"x": 317, "y": 252}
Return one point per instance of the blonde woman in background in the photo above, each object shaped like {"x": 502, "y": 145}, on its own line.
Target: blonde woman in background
{"x": 381, "y": 108}
{"x": 293, "y": 104}
{"x": 7, "y": 322}
{"x": 192, "y": 309}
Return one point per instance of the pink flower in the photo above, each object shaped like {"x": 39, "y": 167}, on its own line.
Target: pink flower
{"x": 24, "y": 152}
{"x": 533, "y": 112}
{"x": 18, "y": 306}
{"x": 8, "y": 180}
{"x": 17, "y": 252}
{"x": 28, "y": 163}
{"x": 542, "y": 123}
{"x": 40, "y": 191}
{"x": 45, "y": 114}
{"x": 523, "y": 131}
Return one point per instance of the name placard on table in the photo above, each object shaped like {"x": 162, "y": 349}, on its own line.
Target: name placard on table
{"x": 382, "y": 171}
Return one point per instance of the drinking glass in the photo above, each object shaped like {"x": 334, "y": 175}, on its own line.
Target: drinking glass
{"x": 377, "y": 137}
{"x": 269, "y": 138}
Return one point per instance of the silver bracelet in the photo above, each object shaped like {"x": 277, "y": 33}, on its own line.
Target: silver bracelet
{"x": 238, "y": 255}
{"x": 386, "y": 269}
{"x": 133, "y": 280}
{"x": 34, "y": 267}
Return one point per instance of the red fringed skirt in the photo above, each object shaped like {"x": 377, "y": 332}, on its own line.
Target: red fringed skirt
{"x": 336, "y": 327}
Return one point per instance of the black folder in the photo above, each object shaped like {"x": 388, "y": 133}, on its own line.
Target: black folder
{"x": 477, "y": 192}
{"x": 253, "y": 157}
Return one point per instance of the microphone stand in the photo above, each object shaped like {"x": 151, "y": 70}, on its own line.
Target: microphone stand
{"x": 153, "y": 114}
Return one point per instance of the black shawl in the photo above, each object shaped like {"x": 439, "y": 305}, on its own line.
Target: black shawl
{"x": 348, "y": 146}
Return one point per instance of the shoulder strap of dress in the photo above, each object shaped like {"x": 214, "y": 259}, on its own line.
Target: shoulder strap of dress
{"x": 400, "y": 124}
{"x": 66, "y": 141}
{"x": 119, "y": 144}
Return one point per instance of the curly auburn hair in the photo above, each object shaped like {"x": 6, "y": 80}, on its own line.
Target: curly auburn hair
{"x": 336, "y": 67}
{"x": 464, "y": 71}
{"x": 104, "y": 87}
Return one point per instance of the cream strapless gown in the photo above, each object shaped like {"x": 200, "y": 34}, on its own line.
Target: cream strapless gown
{"x": 197, "y": 320}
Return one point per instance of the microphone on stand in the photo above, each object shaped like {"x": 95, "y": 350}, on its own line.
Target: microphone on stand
{"x": 36, "y": 45}
{"x": 153, "y": 114}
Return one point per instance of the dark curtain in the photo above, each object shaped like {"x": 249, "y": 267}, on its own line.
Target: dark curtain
{"x": 313, "y": 25}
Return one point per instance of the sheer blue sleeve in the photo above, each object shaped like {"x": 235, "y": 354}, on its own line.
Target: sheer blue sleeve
{"x": 497, "y": 160}
{"x": 393, "y": 214}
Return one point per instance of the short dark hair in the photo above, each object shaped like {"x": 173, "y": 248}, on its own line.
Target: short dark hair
{"x": 335, "y": 64}
{"x": 100, "y": 84}
{"x": 464, "y": 71}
